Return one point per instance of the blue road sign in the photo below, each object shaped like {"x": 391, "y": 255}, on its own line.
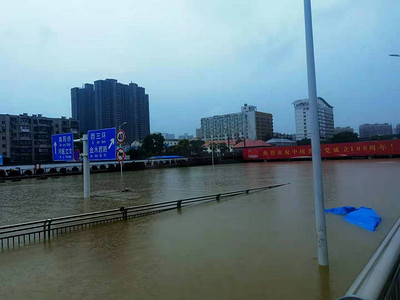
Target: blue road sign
{"x": 1, "y": 159}
{"x": 101, "y": 144}
{"x": 63, "y": 146}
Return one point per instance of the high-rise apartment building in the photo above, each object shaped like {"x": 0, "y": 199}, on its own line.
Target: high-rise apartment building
{"x": 27, "y": 139}
{"x": 114, "y": 104}
{"x": 82, "y": 104}
{"x": 249, "y": 124}
{"x": 325, "y": 119}
{"x": 369, "y": 130}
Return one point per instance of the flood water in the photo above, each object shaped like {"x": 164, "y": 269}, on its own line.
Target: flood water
{"x": 256, "y": 246}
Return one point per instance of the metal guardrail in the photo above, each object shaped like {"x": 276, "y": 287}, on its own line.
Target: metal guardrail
{"x": 380, "y": 278}
{"x": 16, "y": 235}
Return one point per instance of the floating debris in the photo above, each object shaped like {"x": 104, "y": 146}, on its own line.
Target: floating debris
{"x": 364, "y": 217}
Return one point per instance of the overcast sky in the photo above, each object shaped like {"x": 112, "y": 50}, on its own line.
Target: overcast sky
{"x": 201, "y": 58}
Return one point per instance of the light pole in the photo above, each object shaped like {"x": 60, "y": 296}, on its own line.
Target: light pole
{"x": 315, "y": 141}
{"x": 119, "y": 127}
{"x": 212, "y": 150}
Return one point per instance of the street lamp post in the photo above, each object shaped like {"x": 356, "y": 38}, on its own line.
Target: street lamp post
{"x": 315, "y": 141}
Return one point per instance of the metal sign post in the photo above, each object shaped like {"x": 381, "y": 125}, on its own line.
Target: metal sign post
{"x": 121, "y": 156}
{"x": 97, "y": 145}
{"x": 121, "y": 137}
{"x": 86, "y": 167}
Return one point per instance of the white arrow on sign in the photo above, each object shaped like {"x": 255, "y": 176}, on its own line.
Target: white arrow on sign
{"x": 112, "y": 141}
{"x": 55, "y": 147}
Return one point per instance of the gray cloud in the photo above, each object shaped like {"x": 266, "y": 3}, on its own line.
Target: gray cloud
{"x": 198, "y": 58}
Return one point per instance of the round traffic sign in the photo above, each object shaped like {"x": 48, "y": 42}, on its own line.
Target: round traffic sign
{"x": 121, "y": 154}
{"x": 76, "y": 154}
{"x": 121, "y": 137}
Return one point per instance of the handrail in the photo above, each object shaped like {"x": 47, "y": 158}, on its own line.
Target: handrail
{"x": 54, "y": 225}
{"x": 375, "y": 279}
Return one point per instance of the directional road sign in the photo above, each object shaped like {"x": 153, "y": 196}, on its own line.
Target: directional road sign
{"x": 1, "y": 159}
{"x": 121, "y": 154}
{"x": 101, "y": 144}
{"x": 121, "y": 136}
{"x": 63, "y": 146}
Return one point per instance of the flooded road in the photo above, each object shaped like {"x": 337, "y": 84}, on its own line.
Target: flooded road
{"x": 256, "y": 246}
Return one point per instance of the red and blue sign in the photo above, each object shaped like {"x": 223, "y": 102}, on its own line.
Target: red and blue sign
{"x": 76, "y": 154}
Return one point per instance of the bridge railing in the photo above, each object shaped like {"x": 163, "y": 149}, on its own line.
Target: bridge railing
{"x": 380, "y": 278}
{"x": 19, "y": 234}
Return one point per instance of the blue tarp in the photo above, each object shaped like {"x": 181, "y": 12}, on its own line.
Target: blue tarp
{"x": 364, "y": 217}
{"x": 344, "y": 210}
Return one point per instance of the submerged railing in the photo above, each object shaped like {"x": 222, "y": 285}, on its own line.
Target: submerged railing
{"x": 19, "y": 234}
{"x": 380, "y": 278}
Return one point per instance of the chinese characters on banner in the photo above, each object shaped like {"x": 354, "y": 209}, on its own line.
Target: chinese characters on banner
{"x": 375, "y": 148}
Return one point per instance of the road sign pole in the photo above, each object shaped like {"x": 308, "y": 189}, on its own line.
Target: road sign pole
{"x": 86, "y": 167}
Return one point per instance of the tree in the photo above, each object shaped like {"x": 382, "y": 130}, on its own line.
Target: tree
{"x": 136, "y": 153}
{"x": 345, "y": 137}
{"x": 223, "y": 147}
{"x": 381, "y": 137}
{"x": 183, "y": 148}
{"x": 304, "y": 142}
{"x": 197, "y": 146}
{"x": 153, "y": 144}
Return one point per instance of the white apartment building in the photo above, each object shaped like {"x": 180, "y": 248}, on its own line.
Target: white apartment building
{"x": 249, "y": 124}
{"x": 325, "y": 118}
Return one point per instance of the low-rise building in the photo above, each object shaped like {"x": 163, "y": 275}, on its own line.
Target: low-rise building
{"x": 208, "y": 145}
{"x": 168, "y": 136}
{"x": 136, "y": 144}
{"x": 171, "y": 143}
{"x": 343, "y": 129}
{"x": 27, "y": 139}
{"x": 251, "y": 144}
{"x": 397, "y": 129}
{"x": 185, "y": 136}
{"x": 281, "y": 142}
{"x": 369, "y": 130}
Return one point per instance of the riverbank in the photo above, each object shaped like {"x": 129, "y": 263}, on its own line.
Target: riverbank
{"x": 17, "y": 173}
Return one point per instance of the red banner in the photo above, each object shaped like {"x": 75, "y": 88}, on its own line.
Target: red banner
{"x": 375, "y": 148}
